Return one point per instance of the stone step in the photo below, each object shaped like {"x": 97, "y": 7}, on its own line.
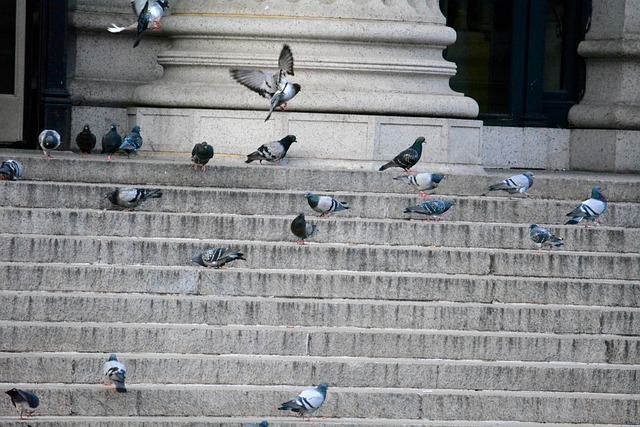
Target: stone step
{"x": 314, "y": 256}
{"x": 30, "y": 276}
{"x": 233, "y": 369}
{"x": 317, "y": 341}
{"x": 339, "y": 230}
{"x": 33, "y": 194}
{"x": 386, "y": 403}
{"x": 135, "y": 308}
{"x": 232, "y": 172}
{"x": 197, "y": 421}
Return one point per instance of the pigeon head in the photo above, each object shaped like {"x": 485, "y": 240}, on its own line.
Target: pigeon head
{"x": 323, "y": 388}
{"x": 596, "y": 192}
{"x": 263, "y": 424}
{"x": 136, "y": 128}
{"x": 288, "y": 140}
{"x": 529, "y": 175}
{"x": 113, "y": 126}
{"x": 198, "y": 260}
{"x": 113, "y": 197}
{"x": 296, "y": 88}
{"x": 86, "y": 128}
{"x": 419, "y": 141}
{"x": 437, "y": 177}
{"x": 163, "y": 3}
{"x": 112, "y": 357}
{"x": 12, "y": 392}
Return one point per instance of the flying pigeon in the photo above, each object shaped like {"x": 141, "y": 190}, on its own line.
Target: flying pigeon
{"x": 147, "y": 12}
{"x": 422, "y": 181}
{"x": 307, "y": 402}
{"x": 273, "y": 86}
{"x": 131, "y": 198}
{"x": 11, "y": 170}
{"x": 325, "y": 204}
{"x": 515, "y": 184}
{"x": 431, "y": 208}
{"x": 262, "y": 424}
{"x": 543, "y": 236}
{"x": 302, "y": 229}
{"x": 217, "y": 257}
{"x": 115, "y": 374}
{"x": 24, "y": 401}
{"x": 49, "y": 141}
{"x": 273, "y": 151}
{"x": 590, "y": 209}
{"x": 407, "y": 158}
{"x": 201, "y": 154}
{"x": 132, "y": 142}
{"x": 86, "y": 140}
{"x": 111, "y": 142}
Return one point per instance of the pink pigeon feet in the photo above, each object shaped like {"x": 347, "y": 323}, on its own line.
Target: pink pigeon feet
{"x": 423, "y": 194}
{"x": 283, "y": 106}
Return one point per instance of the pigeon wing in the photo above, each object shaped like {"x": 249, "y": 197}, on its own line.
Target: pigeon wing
{"x": 285, "y": 61}
{"x": 261, "y": 82}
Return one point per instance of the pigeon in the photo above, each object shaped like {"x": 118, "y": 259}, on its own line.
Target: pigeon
{"x": 262, "y": 424}
{"x": 217, "y": 257}
{"x": 111, "y": 141}
{"x": 273, "y": 151}
{"x": 49, "y": 141}
{"x": 407, "y": 158}
{"x": 115, "y": 374}
{"x": 86, "y": 141}
{"x": 515, "y": 184}
{"x": 543, "y": 236}
{"x": 147, "y": 12}
{"x": 590, "y": 209}
{"x": 11, "y": 170}
{"x": 307, "y": 402}
{"x": 431, "y": 208}
{"x": 131, "y": 198}
{"x": 325, "y": 204}
{"x": 273, "y": 86}
{"x": 422, "y": 181}
{"x": 24, "y": 401}
{"x": 201, "y": 154}
{"x": 132, "y": 142}
{"x": 302, "y": 229}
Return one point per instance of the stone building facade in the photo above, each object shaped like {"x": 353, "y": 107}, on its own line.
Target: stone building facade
{"x": 372, "y": 72}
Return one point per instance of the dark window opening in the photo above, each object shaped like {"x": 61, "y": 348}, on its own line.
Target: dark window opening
{"x": 518, "y": 58}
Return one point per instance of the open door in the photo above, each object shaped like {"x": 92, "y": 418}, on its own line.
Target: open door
{"x": 12, "y": 50}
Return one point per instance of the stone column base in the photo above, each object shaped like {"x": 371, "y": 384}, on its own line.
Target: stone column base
{"x": 452, "y": 144}
{"x": 605, "y": 150}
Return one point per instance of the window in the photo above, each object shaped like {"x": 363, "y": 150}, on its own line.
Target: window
{"x": 518, "y": 58}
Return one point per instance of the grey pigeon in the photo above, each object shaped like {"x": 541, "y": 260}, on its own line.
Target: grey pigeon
{"x": 302, "y": 229}
{"x": 131, "y": 198}
{"x": 273, "y": 151}
{"x": 590, "y": 209}
{"x": 307, "y": 402}
{"x": 111, "y": 142}
{"x": 86, "y": 140}
{"x": 201, "y": 154}
{"x": 273, "y": 86}
{"x": 325, "y": 204}
{"x": 146, "y": 12}
{"x": 115, "y": 374}
{"x": 407, "y": 158}
{"x": 422, "y": 181}
{"x": 543, "y": 236}
{"x": 515, "y": 184}
{"x": 132, "y": 142}
{"x": 152, "y": 11}
{"x": 49, "y": 140}
{"x": 217, "y": 257}
{"x": 11, "y": 170}
{"x": 262, "y": 424}
{"x": 24, "y": 401}
{"x": 431, "y": 208}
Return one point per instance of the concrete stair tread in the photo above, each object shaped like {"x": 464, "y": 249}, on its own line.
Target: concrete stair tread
{"x": 262, "y": 401}
{"x": 287, "y": 283}
{"x": 199, "y": 421}
{"x": 93, "y": 222}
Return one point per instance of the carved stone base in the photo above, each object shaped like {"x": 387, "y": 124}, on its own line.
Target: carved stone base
{"x": 358, "y": 139}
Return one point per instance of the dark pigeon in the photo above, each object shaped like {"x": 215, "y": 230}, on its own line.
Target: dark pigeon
{"x": 132, "y": 142}
{"x": 111, "y": 142}
{"x": 543, "y": 236}
{"x": 24, "y": 401}
{"x": 201, "y": 154}
{"x": 86, "y": 141}
{"x": 302, "y": 229}
{"x": 407, "y": 158}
